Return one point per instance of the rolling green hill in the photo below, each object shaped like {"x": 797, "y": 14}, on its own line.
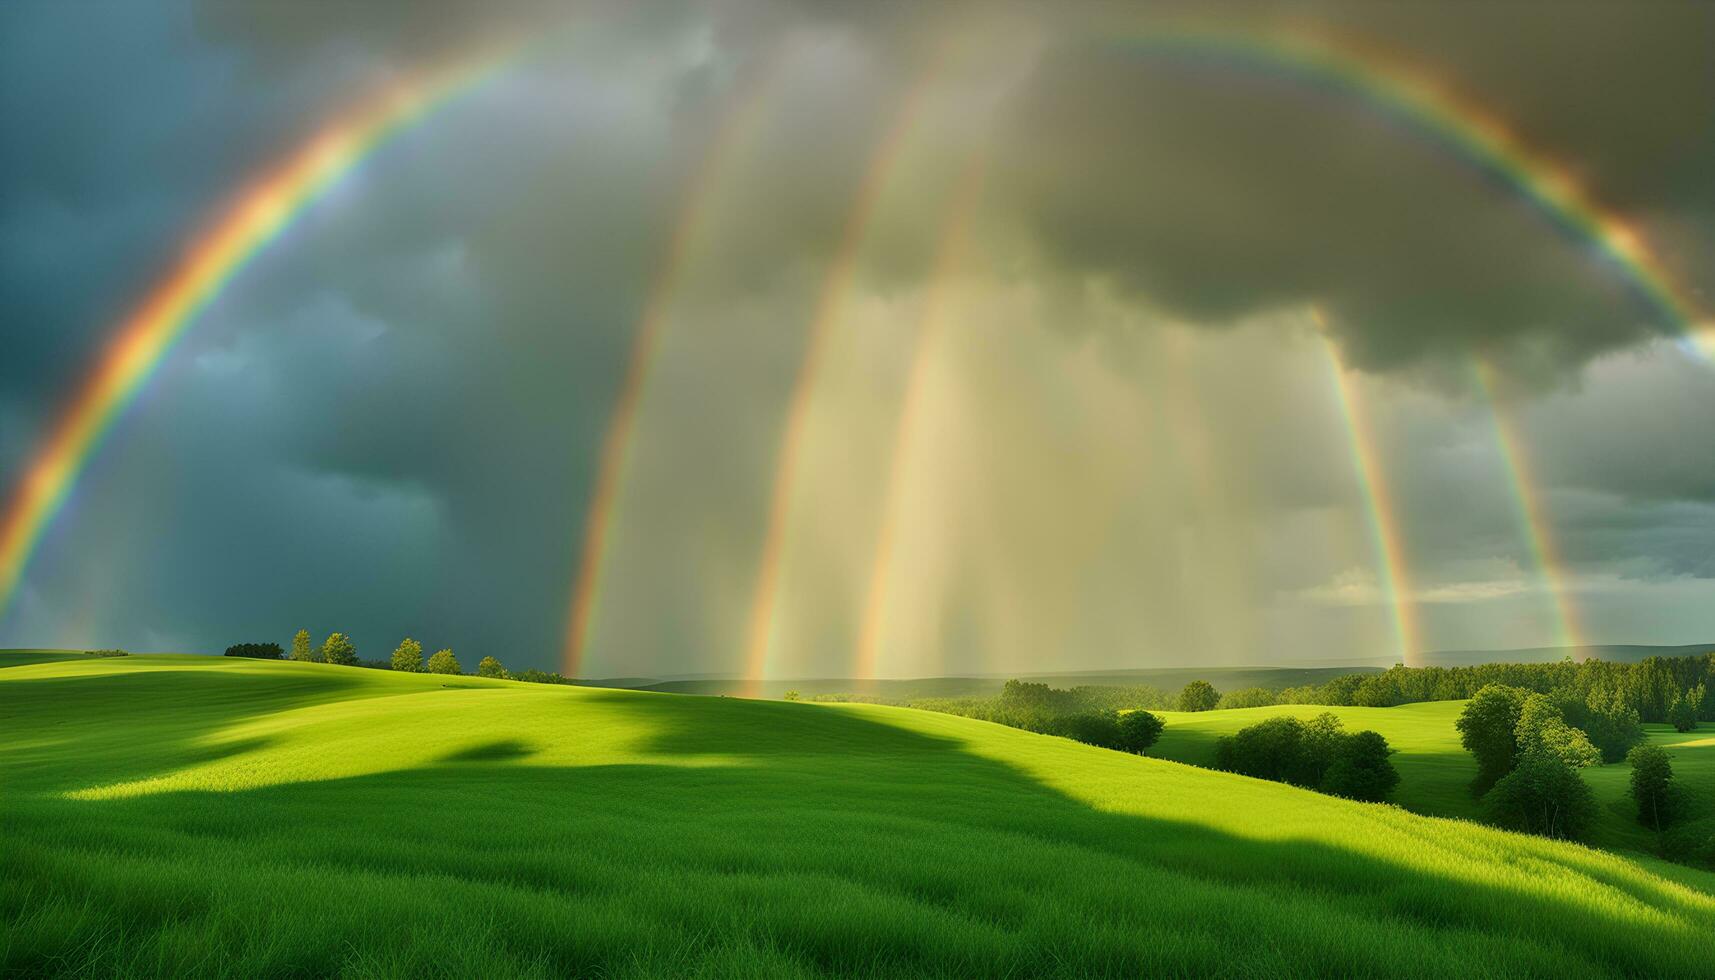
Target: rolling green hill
{"x": 193, "y": 816}
{"x": 1435, "y": 772}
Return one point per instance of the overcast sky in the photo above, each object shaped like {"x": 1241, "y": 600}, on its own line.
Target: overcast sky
{"x": 1126, "y": 448}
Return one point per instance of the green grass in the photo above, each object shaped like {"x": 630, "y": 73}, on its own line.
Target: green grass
{"x": 1435, "y": 772}
{"x": 198, "y": 816}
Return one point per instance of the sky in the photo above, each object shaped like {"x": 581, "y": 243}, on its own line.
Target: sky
{"x": 984, "y": 337}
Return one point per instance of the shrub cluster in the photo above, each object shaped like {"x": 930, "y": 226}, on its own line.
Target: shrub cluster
{"x": 1528, "y": 758}
{"x": 1318, "y": 754}
{"x": 256, "y": 651}
{"x": 1081, "y": 714}
{"x": 106, "y": 653}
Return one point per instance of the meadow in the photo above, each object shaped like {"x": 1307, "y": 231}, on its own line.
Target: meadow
{"x": 1435, "y": 770}
{"x": 176, "y": 815}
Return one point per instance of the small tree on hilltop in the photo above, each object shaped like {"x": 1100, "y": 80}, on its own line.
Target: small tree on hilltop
{"x": 408, "y": 656}
{"x": 490, "y": 667}
{"x": 1199, "y": 696}
{"x": 1138, "y": 731}
{"x": 443, "y": 662}
{"x": 791, "y": 695}
{"x": 338, "y": 649}
{"x": 301, "y": 649}
{"x": 1652, "y": 785}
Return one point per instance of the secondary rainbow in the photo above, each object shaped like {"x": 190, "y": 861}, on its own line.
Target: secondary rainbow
{"x": 739, "y": 118}
{"x": 830, "y": 304}
{"x": 259, "y": 215}
{"x": 949, "y": 254}
{"x": 1405, "y": 96}
{"x": 1532, "y": 514}
{"x": 1385, "y": 531}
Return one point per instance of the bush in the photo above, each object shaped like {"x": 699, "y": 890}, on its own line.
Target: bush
{"x": 1361, "y": 770}
{"x": 490, "y": 667}
{"x": 1488, "y": 729}
{"x": 791, "y": 695}
{"x": 338, "y": 649}
{"x": 1542, "y": 795}
{"x": 1682, "y": 713}
{"x": 1248, "y": 697}
{"x": 1199, "y": 696}
{"x": 106, "y": 653}
{"x": 1691, "y": 842}
{"x": 1138, "y": 731}
{"x": 1652, "y": 785}
{"x": 301, "y": 649}
{"x": 408, "y": 656}
{"x": 533, "y": 676}
{"x": 443, "y": 662}
{"x": 256, "y": 651}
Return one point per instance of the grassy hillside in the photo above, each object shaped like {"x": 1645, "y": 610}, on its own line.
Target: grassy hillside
{"x": 182, "y": 815}
{"x": 23, "y": 658}
{"x": 1435, "y": 772}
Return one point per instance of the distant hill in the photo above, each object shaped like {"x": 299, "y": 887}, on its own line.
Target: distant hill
{"x": 983, "y": 685}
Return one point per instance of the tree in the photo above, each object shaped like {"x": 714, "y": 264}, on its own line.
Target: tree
{"x": 443, "y": 662}
{"x": 1488, "y": 729}
{"x": 490, "y": 667}
{"x": 1377, "y": 691}
{"x": 1611, "y": 723}
{"x": 1248, "y": 697}
{"x": 1361, "y": 770}
{"x": 301, "y": 649}
{"x": 1652, "y": 785}
{"x": 791, "y": 695}
{"x": 1542, "y": 795}
{"x": 1542, "y": 729}
{"x": 1138, "y": 731}
{"x": 408, "y": 656}
{"x": 338, "y": 649}
{"x": 1270, "y": 749}
{"x": 1682, "y": 714}
{"x": 1199, "y": 696}
{"x": 256, "y": 651}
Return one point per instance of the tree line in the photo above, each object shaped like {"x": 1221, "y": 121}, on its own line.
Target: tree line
{"x": 1083, "y": 714}
{"x": 339, "y": 649}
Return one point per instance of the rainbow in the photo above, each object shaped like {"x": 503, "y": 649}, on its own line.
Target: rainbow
{"x": 1385, "y": 528}
{"x": 1532, "y": 515}
{"x": 830, "y": 302}
{"x": 1385, "y": 84}
{"x": 740, "y": 117}
{"x": 258, "y": 216}
{"x": 949, "y": 253}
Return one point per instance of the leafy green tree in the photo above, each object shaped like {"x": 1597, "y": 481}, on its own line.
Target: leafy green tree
{"x": 1138, "y": 731}
{"x": 1542, "y": 795}
{"x": 1361, "y": 770}
{"x": 490, "y": 667}
{"x": 1270, "y": 749}
{"x": 443, "y": 662}
{"x": 408, "y": 656}
{"x": 1248, "y": 697}
{"x": 1652, "y": 785}
{"x": 1682, "y": 714}
{"x": 1700, "y": 706}
{"x": 301, "y": 649}
{"x": 256, "y": 651}
{"x": 791, "y": 695}
{"x": 1488, "y": 729}
{"x": 1542, "y": 729}
{"x": 1611, "y": 723}
{"x": 338, "y": 649}
{"x": 1199, "y": 696}
{"x": 1378, "y": 691}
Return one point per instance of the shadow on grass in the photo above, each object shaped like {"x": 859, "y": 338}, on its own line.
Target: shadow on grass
{"x": 840, "y": 844}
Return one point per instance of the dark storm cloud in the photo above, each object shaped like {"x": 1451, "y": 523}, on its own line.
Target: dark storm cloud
{"x": 1216, "y": 188}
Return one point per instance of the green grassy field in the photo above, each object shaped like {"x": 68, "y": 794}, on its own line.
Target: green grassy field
{"x": 1435, "y": 772}
{"x": 191, "y": 816}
